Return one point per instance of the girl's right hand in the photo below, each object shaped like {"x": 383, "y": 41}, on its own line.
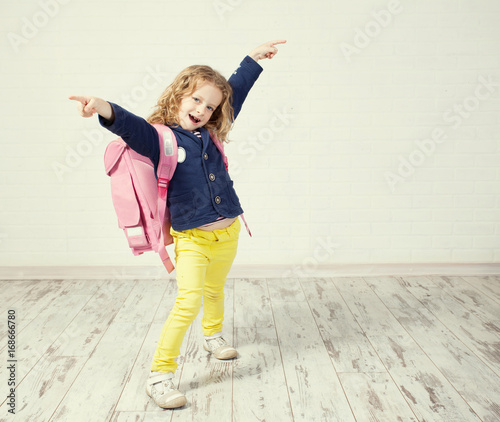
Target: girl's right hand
{"x": 88, "y": 106}
{"x": 266, "y": 50}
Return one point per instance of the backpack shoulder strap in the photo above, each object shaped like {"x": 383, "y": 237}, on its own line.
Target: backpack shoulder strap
{"x": 166, "y": 167}
{"x": 168, "y": 158}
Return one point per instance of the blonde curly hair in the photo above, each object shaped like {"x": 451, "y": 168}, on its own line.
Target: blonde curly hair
{"x": 166, "y": 110}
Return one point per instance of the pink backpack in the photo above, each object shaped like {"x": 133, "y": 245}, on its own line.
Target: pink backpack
{"x": 140, "y": 200}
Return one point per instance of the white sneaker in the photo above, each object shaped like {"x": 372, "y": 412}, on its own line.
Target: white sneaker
{"x": 160, "y": 388}
{"x": 219, "y": 348}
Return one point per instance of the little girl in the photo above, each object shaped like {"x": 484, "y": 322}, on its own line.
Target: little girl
{"x": 199, "y": 105}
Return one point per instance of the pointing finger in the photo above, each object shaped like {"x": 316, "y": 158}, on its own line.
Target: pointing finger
{"x": 79, "y": 98}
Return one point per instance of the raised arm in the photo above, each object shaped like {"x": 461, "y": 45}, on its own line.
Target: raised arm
{"x": 248, "y": 72}
{"x": 141, "y": 136}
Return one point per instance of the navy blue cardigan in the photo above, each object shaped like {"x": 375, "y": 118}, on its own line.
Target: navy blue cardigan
{"x": 200, "y": 190}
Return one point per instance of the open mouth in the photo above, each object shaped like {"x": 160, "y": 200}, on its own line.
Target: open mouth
{"x": 194, "y": 119}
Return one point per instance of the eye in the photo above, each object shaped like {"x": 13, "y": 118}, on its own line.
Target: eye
{"x": 196, "y": 100}
{"x": 210, "y": 108}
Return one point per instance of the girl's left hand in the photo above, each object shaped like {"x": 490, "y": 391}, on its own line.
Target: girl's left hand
{"x": 266, "y": 50}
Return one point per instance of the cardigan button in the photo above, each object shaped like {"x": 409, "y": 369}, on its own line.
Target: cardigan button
{"x": 205, "y": 156}
{"x": 211, "y": 176}
{"x": 217, "y": 199}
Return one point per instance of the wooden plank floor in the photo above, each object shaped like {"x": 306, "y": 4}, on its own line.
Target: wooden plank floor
{"x": 330, "y": 349}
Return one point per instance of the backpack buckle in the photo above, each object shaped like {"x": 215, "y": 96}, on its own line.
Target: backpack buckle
{"x": 162, "y": 187}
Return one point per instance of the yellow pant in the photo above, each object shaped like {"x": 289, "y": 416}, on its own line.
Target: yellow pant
{"x": 203, "y": 259}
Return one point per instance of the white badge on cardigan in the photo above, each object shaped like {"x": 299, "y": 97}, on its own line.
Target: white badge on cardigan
{"x": 181, "y": 155}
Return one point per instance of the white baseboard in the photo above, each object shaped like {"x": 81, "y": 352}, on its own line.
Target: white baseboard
{"x": 257, "y": 271}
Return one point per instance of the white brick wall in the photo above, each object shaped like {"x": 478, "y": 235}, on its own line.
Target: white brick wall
{"x": 316, "y": 191}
